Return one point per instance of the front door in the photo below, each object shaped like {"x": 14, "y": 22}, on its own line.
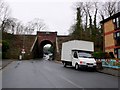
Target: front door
{"x": 74, "y": 58}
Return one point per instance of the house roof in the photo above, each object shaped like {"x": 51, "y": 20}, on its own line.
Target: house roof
{"x": 112, "y": 17}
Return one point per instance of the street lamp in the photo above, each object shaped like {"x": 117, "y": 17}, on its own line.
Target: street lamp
{"x": 23, "y": 48}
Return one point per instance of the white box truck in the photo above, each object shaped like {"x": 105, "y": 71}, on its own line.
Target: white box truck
{"x": 78, "y": 53}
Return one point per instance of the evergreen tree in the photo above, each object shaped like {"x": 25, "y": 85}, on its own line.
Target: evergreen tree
{"x": 77, "y": 33}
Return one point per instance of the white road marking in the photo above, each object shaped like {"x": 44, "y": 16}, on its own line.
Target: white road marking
{"x": 78, "y": 86}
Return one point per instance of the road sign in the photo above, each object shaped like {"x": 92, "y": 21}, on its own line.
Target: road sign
{"x": 23, "y": 51}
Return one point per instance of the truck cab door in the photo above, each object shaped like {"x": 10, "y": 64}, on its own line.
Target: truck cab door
{"x": 74, "y": 58}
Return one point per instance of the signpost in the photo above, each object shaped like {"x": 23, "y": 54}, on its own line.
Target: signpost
{"x": 23, "y": 52}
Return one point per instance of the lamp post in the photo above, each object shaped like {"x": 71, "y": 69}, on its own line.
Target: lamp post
{"x": 23, "y": 48}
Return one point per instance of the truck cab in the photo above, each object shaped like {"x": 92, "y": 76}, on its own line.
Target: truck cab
{"x": 82, "y": 59}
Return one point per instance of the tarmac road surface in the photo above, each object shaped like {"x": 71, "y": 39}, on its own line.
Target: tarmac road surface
{"x": 49, "y": 74}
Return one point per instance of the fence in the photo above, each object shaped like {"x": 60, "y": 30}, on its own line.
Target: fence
{"x": 111, "y": 63}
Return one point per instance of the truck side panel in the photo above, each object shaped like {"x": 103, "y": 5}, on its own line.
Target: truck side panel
{"x": 66, "y": 52}
{"x": 67, "y": 48}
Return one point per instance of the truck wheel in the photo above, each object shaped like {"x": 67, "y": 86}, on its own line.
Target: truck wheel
{"x": 76, "y": 66}
{"x": 64, "y": 64}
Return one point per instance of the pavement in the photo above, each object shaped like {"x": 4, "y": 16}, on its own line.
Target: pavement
{"x": 4, "y": 63}
{"x": 110, "y": 71}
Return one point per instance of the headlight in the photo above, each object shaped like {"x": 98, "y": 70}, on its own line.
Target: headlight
{"x": 94, "y": 63}
{"x": 82, "y": 62}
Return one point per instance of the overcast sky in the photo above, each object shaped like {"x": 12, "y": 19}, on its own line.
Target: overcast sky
{"x": 58, "y": 15}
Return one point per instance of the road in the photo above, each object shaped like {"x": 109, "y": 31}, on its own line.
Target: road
{"x": 50, "y": 74}
{"x": 0, "y": 79}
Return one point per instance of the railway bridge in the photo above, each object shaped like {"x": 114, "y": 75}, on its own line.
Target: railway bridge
{"x": 43, "y": 38}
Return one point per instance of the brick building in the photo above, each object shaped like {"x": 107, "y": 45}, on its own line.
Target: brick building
{"x": 111, "y": 30}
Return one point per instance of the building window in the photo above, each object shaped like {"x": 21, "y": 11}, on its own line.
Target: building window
{"x": 115, "y": 35}
{"x": 118, "y": 53}
{"x": 118, "y": 34}
{"x": 116, "y": 22}
{"x": 115, "y": 51}
{"x": 117, "y": 42}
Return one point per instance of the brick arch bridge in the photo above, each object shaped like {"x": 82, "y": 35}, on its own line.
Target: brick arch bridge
{"x": 44, "y": 38}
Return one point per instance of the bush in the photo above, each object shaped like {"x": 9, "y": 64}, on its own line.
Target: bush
{"x": 101, "y": 55}
{"x": 0, "y": 55}
{"x": 117, "y": 64}
{"x": 5, "y": 47}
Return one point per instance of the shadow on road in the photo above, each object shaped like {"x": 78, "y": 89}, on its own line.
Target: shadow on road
{"x": 81, "y": 69}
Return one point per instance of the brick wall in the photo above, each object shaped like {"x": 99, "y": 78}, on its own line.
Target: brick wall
{"x": 109, "y": 42}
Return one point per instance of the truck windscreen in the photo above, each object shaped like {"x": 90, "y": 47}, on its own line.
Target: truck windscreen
{"x": 84, "y": 54}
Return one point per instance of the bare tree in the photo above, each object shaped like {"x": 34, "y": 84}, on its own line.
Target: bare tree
{"x": 101, "y": 11}
{"x": 1, "y": 6}
{"x": 88, "y": 17}
{"x": 118, "y": 6}
{"x": 95, "y": 15}
{"x": 35, "y": 25}
{"x": 30, "y": 27}
{"x": 38, "y": 24}
{"x": 107, "y": 9}
{"x": 80, "y": 5}
{"x": 4, "y": 14}
{"x": 88, "y": 9}
{"x": 10, "y": 24}
{"x": 110, "y": 8}
{"x": 20, "y": 29}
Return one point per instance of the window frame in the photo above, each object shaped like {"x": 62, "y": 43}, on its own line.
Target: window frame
{"x": 116, "y": 22}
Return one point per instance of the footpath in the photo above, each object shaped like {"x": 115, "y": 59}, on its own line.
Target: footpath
{"x": 110, "y": 71}
{"x": 4, "y": 63}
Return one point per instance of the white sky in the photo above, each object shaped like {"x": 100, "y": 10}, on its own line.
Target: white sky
{"x": 58, "y": 15}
